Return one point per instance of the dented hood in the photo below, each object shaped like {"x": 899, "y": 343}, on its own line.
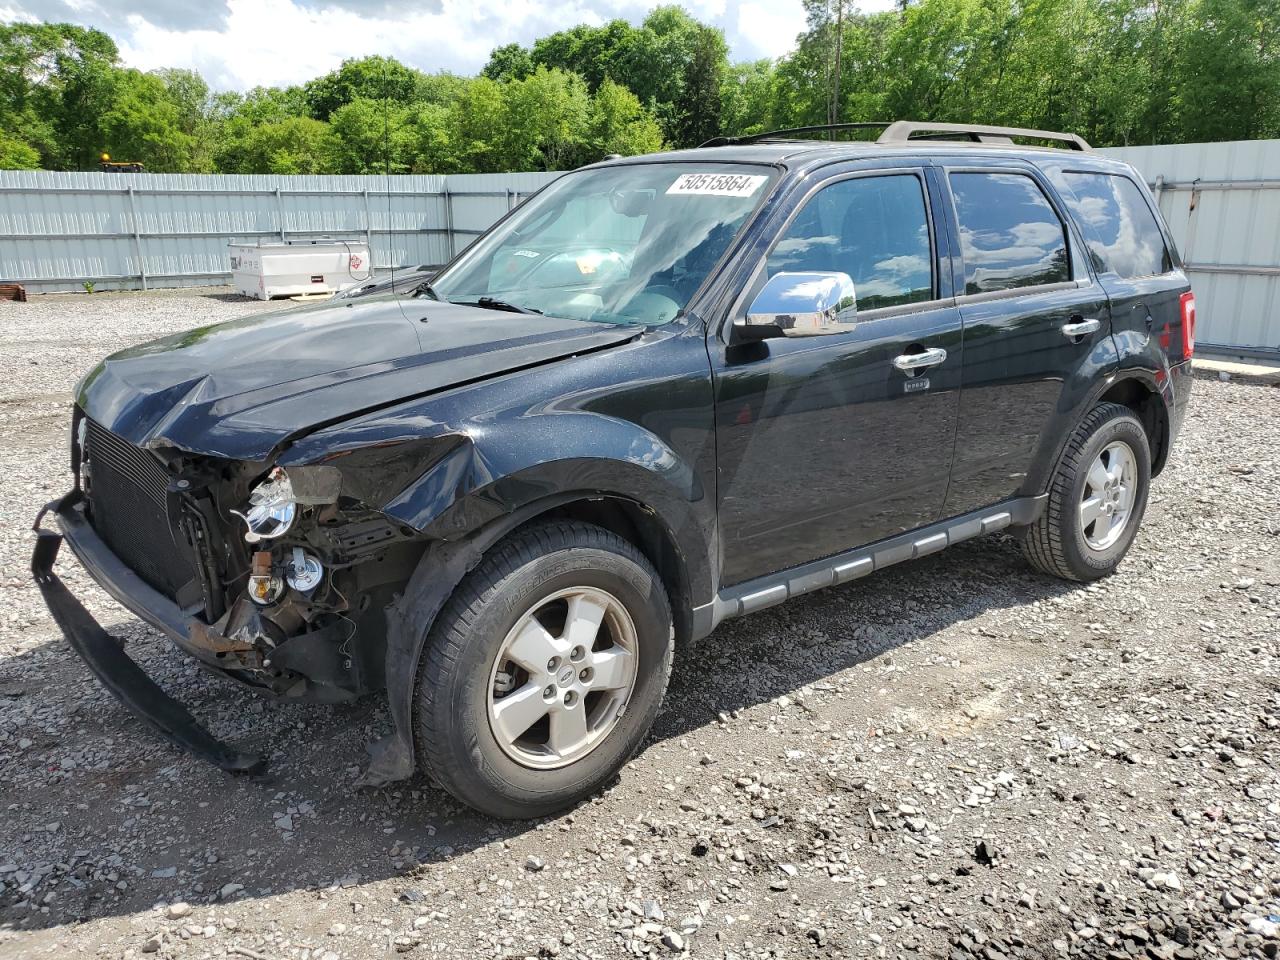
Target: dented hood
{"x": 241, "y": 389}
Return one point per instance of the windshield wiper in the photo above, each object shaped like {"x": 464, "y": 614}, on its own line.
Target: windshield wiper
{"x": 493, "y": 303}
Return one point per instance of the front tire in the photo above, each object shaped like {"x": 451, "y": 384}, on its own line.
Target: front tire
{"x": 544, "y": 671}
{"x": 1097, "y": 497}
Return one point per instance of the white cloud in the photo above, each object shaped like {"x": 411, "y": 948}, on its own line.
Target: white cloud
{"x": 237, "y": 44}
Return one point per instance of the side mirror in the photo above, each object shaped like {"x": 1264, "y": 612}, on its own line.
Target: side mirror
{"x": 801, "y": 305}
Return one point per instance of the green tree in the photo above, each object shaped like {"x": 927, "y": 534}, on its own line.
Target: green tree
{"x": 746, "y": 98}
{"x": 477, "y": 127}
{"x": 370, "y": 136}
{"x": 1227, "y": 85}
{"x": 142, "y": 123}
{"x": 366, "y": 78}
{"x": 618, "y": 123}
{"x": 546, "y": 121}
{"x": 508, "y": 62}
{"x": 17, "y": 155}
{"x": 697, "y": 107}
{"x": 55, "y": 80}
{"x": 288, "y": 146}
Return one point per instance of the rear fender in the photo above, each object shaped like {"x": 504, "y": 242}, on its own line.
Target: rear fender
{"x": 1155, "y": 385}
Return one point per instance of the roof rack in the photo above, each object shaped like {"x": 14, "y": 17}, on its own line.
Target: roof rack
{"x": 789, "y": 131}
{"x": 903, "y": 131}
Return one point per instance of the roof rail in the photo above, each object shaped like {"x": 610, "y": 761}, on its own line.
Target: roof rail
{"x": 902, "y": 130}
{"x": 789, "y": 131}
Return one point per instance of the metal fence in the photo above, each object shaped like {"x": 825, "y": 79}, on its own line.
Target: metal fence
{"x": 1222, "y": 202}
{"x": 60, "y": 231}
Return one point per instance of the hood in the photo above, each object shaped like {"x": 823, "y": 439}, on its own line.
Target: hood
{"x": 241, "y": 389}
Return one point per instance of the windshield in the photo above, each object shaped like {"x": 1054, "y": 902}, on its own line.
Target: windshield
{"x": 623, "y": 244}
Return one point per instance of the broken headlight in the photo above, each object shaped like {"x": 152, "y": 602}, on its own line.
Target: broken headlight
{"x": 272, "y": 508}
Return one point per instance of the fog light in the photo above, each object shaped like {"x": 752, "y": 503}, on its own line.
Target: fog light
{"x": 264, "y": 586}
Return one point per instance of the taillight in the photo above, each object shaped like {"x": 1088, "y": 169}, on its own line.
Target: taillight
{"x": 1188, "y": 303}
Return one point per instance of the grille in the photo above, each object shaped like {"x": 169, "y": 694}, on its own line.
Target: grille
{"x": 127, "y": 509}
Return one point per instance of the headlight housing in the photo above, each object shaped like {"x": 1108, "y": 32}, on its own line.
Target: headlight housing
{"x": 272, "y": 508}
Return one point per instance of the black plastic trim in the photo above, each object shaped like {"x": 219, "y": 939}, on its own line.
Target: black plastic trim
{"x": 103, "y": 654}
{"x": 744, "y": 598}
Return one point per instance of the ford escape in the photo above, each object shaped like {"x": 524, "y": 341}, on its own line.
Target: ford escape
{"x": 664, "y": 391}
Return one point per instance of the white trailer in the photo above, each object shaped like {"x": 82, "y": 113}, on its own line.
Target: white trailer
{"x": 290, "y": 268}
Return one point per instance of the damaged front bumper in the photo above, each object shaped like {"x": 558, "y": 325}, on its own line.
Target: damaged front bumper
{"x": 104, "y": 655}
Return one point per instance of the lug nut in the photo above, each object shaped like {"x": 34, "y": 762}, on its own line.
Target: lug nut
{"x": 577, "y": 653}
{"x": 570, "y": 699}
{"x": 549, "y": 693}
{"x": 552, "y": 664}
{"x": 585, "y": 675}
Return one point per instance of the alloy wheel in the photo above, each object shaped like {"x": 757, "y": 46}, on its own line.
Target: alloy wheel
{"x": 1109, "y": 493}
{"x": 562, "y": 677}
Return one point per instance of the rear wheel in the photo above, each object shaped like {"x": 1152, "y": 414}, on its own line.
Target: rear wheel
{"x": 1096, "y": 498}
{"x": 544, "y": 671}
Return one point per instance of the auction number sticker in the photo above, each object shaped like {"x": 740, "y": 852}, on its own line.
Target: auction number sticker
{"x": 716, "y": 184}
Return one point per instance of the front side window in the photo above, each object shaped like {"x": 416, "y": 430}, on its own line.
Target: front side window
{"x": 1010, "y": 235}
{"x": 875, "y": 229}
{"x": 621, "y": 244}
{"x": 1119, "y": 227}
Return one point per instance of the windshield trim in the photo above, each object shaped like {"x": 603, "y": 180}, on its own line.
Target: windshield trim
{"x": 459, "y": 259}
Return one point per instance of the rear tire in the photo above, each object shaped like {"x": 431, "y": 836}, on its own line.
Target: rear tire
{"x": 544, "y": 671}
{"x": 1096, "y": 498}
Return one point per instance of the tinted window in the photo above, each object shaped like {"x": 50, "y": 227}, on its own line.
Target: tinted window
{"x": 1119, "y": 227}
{"x": 875, "y": 229}
{"x": 1009, "y": 234}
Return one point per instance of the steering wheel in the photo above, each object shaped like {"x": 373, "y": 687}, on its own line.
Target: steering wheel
{"x": 660, "y": 300}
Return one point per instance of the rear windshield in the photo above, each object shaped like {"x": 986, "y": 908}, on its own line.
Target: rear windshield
{"x": 623, "y": 244}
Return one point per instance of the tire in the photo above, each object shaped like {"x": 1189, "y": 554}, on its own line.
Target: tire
{"x": 1059, "y": 543}
{"x": 462, "y": 685}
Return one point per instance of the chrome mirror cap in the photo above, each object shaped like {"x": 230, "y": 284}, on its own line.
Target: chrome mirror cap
{"x": 803, "y": 305}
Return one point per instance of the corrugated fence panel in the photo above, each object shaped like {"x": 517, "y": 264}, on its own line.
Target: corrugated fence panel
{"x": 1222, "y": 203}
{"x": 59, "y": 231}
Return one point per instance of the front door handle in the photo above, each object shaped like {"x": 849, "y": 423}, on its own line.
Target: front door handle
{"x": 917, "y": 361}
{"x": 1081, "y": 329}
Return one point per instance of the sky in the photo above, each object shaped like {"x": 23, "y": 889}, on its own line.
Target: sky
{"x": 239, "y": 44}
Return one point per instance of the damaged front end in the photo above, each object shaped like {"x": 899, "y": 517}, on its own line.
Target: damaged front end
{"x": 276, "y": 578}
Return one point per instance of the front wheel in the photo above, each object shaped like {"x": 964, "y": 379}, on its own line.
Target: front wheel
{"x": 1096, "y": 498}
{"x": 545, "y": 670}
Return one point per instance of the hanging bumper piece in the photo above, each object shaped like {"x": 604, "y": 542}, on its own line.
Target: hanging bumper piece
{"x": 105, "y": 656}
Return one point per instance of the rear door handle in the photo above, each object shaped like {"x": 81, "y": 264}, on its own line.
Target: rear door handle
{"x": 1081, "y": 329}
{"x": 925, "y": 358}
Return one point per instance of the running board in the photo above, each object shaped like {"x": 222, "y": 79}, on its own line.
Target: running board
{"x": 744, "y": 598}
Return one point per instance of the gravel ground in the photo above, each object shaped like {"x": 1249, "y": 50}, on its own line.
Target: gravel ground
{"x": 954, "y": 758}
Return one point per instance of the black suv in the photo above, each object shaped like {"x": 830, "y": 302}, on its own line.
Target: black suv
{"x": 664, "y": 391}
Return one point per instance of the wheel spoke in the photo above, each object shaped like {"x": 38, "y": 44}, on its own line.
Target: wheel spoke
{"x": 1097, "y": 476}
{"x": 534, "y": 646}
{"x": 568, "y": 728}
{"x": 611, "y": 669}
{"x": 518, "y": 711}
{"x": 1116, "y": 464}
{"x": 1117, "y": 521}
{"x": 1090, "y": 510}
{"x": 583, "y": 623}
{"x": 1122, "y": 497}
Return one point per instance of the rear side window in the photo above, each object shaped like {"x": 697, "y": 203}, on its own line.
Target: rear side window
{"x": 1119, "y": 228}
{"x": 1010, "y": 235}
{"x": 875, "y": 229}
